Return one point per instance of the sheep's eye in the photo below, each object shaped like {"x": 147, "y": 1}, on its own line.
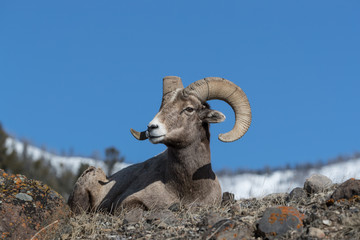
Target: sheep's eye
{"x": 189, "y": 109}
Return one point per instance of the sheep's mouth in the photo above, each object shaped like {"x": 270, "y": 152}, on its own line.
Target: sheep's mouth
{"x": 156, "y": 139}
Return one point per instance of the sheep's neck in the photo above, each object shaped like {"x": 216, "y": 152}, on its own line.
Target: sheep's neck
{"x": 186, "y": 166}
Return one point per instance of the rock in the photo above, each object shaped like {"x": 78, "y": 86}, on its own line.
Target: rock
{"x": 211, "y": 219}
{"x": 275, "y": 198}
{"x": 220, "y": 228}
{"x": 316, "y": 233}
{"x": 164, "y": 215}
{"x": 175, "y": 207}
{"x": 248, "y": 219}
{"x": 296, "y": 195}
{"x": 65, "y": 236}
{"x": 347, "y": 190}
{"x": 24, "y": 197}
{"x": 317, "y": 183}
{"x": 233, "y": 234}
{"x": 162, "y": 225}
{"x": 277, "y": 221}
{"x": 326, "y": 222}
{"x": 131, "y": 228}
{"x": 29, "y": 208}
{"x": 235, "y": 209}
{"x": 228, "y": 198}
{"x": 354, "y": 210}
{"x": 133, "y": 216}
{"x": 2, "y": 180}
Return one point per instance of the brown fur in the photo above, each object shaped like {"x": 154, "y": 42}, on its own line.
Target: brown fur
{"x": 182, "y": 173}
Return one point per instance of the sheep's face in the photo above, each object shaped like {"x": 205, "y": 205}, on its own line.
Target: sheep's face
{"x": 182, "y": 120}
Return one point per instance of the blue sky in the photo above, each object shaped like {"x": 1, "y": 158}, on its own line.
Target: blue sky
{"x": 80, "y": 74}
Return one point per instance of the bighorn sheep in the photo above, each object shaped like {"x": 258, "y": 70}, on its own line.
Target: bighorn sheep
{"x": 183, "y": 172}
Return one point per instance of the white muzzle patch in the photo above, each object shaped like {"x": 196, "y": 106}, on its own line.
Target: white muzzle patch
{"x": 156, "y": 130}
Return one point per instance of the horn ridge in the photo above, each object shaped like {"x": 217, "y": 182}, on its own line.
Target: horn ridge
{"x": 223, "y": 89}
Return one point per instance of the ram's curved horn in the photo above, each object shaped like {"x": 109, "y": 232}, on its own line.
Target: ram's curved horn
{"x": 139, "y": 135}
{"x": 222, "y": 89}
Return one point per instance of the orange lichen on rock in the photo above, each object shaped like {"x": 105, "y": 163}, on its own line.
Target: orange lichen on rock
{"x": 279, "y": 220}
{"x": 285, "y": 213}
{"x": 27, "y": 206}
{"x": 276, "y": 217}
{"x": 355, "y": 198}
{"x": 342, "y": 200}
{"x": 17, "y": 180}
{"x": 346, "y": 190}
{"x": 291, "y": 211}
{"x": 5, "y": 235}
{"x": 330, "y": 202}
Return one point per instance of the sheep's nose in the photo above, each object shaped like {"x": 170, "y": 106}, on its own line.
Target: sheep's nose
{"x": 153, "y": 126}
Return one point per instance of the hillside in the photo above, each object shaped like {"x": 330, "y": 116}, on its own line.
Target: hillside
{"x": 243, "y": 185}
{"x": 256, "y": 185}
{"x": 59, "y": 163}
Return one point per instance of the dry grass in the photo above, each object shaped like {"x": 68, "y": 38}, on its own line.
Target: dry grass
{"x": 187, "y": 222}
{"x": 339, "y": 221}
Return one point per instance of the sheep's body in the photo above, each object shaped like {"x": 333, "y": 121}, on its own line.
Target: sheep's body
{"x": 139, "y": 185}
{"x": 182, "y": 173}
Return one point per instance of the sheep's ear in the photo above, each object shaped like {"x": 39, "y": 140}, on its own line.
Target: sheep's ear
{"x": 213, "y": 116}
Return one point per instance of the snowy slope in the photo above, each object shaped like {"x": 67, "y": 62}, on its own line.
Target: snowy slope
{"x": 60, "y": 163}
{"x": 242, "y": 185}
{"x": 255, "y": 185}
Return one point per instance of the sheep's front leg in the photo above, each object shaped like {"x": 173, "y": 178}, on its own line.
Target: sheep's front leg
{"x": 87, "y": 193}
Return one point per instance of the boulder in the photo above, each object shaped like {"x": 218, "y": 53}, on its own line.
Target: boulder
{"x": 210, "y": 219}
{"x": 279, "y": 220}
{"x": 297, "y": 195}
{"x": 228, "y": 198}
{"x": 29, "y": 208}
{"x": 221, "y": 230}
{"x": 316, "y": 233}
{"x": 175, "y": 207}
{"x": 347, "y": 190}
{"x": 275, "y": 198}
{"x": 317, "y": 183}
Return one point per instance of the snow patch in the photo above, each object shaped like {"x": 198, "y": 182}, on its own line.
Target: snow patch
{"x": 259, "y": 185}
{"x": 60, "y": 163}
